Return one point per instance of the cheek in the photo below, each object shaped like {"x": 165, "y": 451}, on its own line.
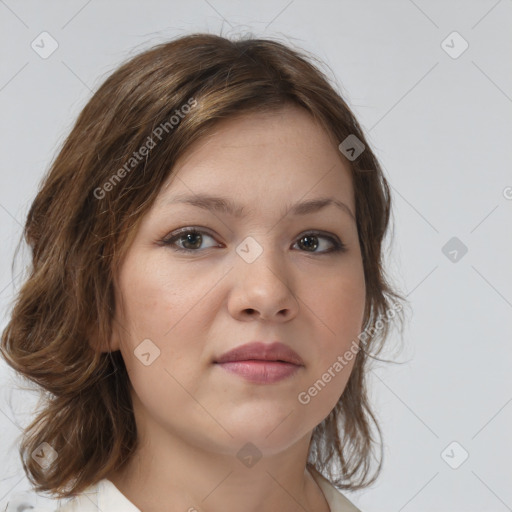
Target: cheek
{"x": 329, "y": 376}
{"x": 338, "y": 304}
{"x": 170, "y": 307}
{"x": 337, "y": 311}
{"x": 158, "y": 298}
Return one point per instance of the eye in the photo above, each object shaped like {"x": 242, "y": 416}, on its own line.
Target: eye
{"x": 190, "y": 240}
{"x": 191, "y": 237}
{"x": 311, "y": 242}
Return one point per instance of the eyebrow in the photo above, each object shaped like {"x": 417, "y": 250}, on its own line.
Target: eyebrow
{"x": 227, "y": 206}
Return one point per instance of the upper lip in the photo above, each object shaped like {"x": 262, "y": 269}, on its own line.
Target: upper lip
{"x": 258, "y": 350}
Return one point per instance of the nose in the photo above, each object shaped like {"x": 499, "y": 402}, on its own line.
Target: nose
{"x": 263, "y": 289}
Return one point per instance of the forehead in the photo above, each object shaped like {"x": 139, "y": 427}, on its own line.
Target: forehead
{"x": 263, "y": 157}
{"x": 291, "y": 129}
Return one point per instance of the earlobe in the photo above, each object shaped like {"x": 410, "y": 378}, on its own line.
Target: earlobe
{"x": 105, "y": 346}
{"x": 113, "y": 344}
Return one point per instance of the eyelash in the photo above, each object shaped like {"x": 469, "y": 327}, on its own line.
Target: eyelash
{"x": 169, "y": 241}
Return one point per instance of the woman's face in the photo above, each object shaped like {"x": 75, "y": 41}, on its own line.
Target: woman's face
{"x": 268, "y": 274}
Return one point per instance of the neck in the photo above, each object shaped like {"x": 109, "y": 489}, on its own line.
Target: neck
{"x": 177, "y": 477}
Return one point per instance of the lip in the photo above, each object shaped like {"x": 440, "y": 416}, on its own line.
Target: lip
{"x": 261, "y": 362}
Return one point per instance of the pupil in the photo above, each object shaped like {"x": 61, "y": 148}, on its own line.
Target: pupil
{"x": 308, "y": 243}
{"x": 190, "y": 238}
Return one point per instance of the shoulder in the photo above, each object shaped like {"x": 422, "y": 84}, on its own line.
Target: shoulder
{"x": 86, "y": 501}
{"x": 336, "y": 500}
{"x": 103, "y": 495}
{"x": 30, "y": 501}
{"x": 33, "y": 502}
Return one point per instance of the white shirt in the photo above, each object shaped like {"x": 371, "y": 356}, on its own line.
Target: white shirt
{"x": 105, "y": 496}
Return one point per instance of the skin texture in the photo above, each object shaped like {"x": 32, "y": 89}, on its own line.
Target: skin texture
{"x": 192, "y": 416}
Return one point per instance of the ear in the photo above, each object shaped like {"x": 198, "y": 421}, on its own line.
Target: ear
{"x": 114, "y": 342}
{"x": 105, "y": 346}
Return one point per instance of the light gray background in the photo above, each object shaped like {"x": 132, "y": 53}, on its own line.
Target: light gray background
{"x": 441, "y": 126}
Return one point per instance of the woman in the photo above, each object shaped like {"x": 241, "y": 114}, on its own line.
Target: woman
{"x": 206, "y": 289}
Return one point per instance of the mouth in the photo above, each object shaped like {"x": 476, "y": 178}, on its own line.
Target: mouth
{"x": 261, "y": 372}
{"x": 261, "y": 363}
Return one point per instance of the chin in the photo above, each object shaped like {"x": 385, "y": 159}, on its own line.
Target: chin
{"x": 267, "y": 440}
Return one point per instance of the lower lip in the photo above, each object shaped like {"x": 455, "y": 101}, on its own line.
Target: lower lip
{"x": 261, "y": 372}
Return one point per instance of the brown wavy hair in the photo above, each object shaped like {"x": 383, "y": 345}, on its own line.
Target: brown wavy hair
{"x": 84, "y": 217}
